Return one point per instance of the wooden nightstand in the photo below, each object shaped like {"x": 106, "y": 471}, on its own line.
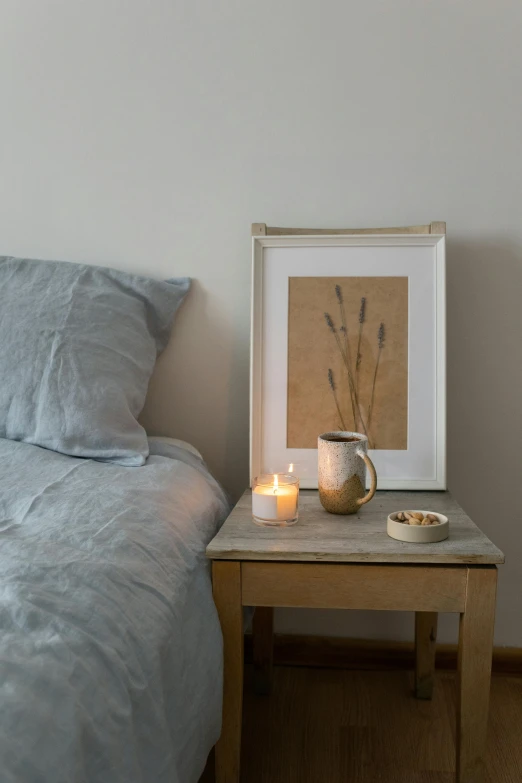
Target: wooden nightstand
{"x": 330, "y": 562}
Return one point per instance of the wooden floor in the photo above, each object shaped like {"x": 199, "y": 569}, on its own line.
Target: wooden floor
{"x": 333, "y": 726}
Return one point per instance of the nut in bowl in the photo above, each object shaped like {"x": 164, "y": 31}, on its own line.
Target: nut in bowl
{"x": 418, "y": 527}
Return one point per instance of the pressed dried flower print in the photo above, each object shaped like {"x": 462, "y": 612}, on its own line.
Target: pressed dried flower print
{"x": 348, "y": 359}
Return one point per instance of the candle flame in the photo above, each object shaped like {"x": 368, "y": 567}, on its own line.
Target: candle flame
{"x": 276, "y": 484}
{"x": 291, "y": 467}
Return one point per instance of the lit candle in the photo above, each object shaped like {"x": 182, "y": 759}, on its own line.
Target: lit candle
{"x": 276, "y": 502}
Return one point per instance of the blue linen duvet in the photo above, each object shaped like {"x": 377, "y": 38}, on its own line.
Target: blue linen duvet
{"x": 110, "y": 646}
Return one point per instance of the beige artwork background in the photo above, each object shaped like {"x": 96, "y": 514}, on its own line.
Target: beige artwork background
{"x": 313, "y": 350}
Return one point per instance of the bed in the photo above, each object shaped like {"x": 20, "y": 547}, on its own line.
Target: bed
{"x": 110, "y": 645}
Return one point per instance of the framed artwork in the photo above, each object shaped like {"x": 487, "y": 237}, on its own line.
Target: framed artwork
{"x": 348, "y": 333}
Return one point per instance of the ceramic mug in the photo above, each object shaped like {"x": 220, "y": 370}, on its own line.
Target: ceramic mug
{"x": 343, "y": 460}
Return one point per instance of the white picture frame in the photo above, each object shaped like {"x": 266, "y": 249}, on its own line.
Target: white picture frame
{"x": 419, "y": 256}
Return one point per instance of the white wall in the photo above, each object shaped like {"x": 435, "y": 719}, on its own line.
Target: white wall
{"x": 149, "y": 135}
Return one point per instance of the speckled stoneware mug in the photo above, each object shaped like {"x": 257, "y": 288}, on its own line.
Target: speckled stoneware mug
{"x": 343, "y": 460}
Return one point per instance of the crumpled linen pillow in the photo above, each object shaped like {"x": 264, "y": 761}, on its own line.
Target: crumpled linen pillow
{"x": 78, "y": 344}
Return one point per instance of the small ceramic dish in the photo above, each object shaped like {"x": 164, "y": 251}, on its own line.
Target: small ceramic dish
{"x": 418, "y": 534}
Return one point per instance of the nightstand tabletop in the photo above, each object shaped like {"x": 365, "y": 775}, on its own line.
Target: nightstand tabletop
{"x": 360, "y": 538}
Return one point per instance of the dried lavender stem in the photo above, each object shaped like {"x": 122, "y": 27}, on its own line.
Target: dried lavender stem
{"x": 354, "y": 383}
{"x": 355, "y": 398}
{"x": 350, "y": 381}
{"x": 332, "y": 387}
{"x": 365, "y": 427}
{"x": 362, "y": 312}
{"x": 353, "y": 394}
{"x": 346, "y": 356}
{"x": 344, "y": 329}
{"x": 343, "y": 426}
{"x": 380, "y": 338}
{"x": 370, "y": 407}
{"x": 358, "y": 360}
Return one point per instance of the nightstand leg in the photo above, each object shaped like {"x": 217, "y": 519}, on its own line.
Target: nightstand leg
{"x": 226, "y": 581}
{"x": 474, "y": 672}
{"x": 263, "y": 648}
{"x": 425, "y": 642}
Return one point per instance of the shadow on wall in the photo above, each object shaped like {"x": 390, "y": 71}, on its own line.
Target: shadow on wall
{"x": 485, "y": 378}
{"x": 199, "y": 389}
{"x": 485, "y": 402}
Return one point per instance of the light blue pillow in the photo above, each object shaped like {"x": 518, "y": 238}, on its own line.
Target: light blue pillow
{"x": 78, "y": 345}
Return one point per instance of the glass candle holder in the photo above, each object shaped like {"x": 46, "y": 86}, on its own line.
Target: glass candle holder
{"x": 275, "y": 499}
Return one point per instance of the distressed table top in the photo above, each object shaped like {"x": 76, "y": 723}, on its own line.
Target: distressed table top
{"x": 359, "y": 538}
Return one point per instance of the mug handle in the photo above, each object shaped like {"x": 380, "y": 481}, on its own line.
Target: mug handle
{"x": 373, "y": 474}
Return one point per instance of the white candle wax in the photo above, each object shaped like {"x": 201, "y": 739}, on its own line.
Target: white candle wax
{"x": 275, "y": 502}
